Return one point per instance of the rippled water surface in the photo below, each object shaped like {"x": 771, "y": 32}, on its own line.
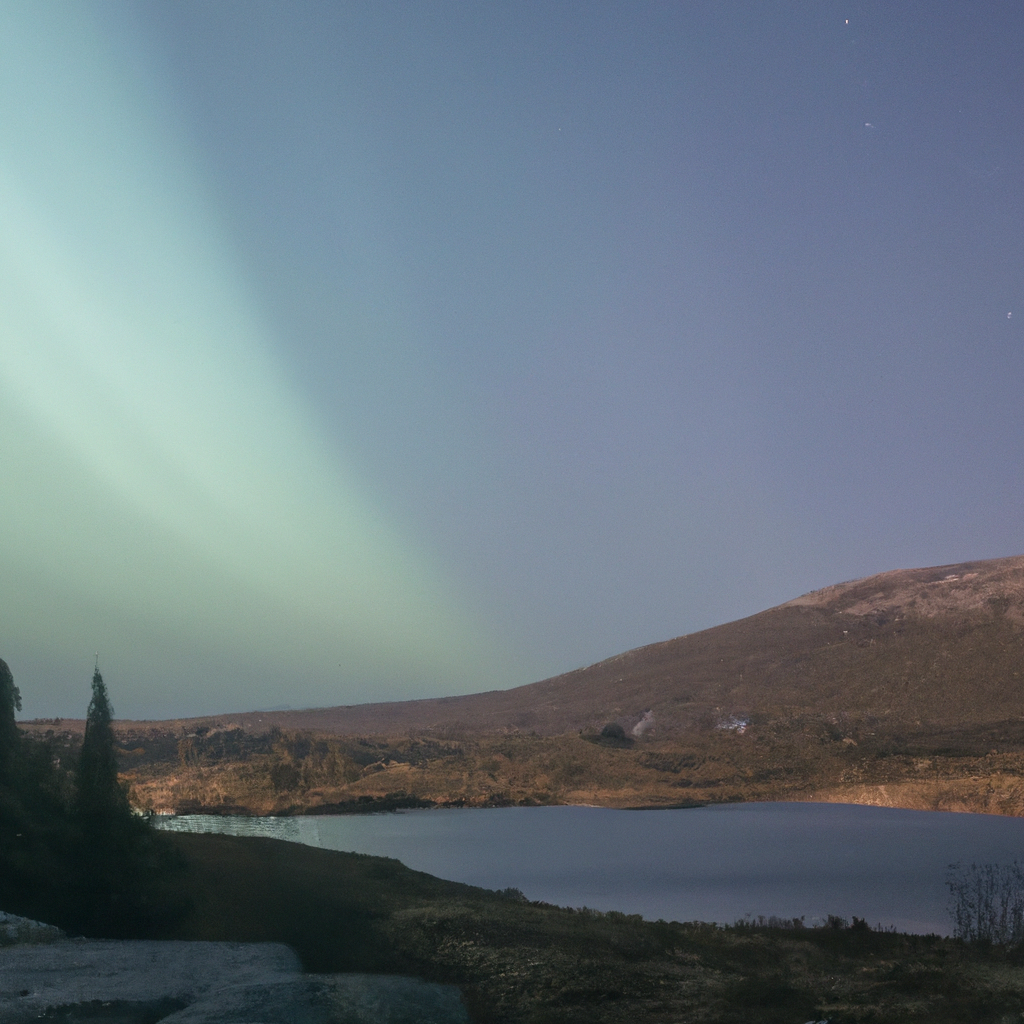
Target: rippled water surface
{"x": 708, "y": 863}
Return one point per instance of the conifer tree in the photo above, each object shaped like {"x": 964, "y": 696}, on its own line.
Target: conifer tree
{"x": 33, "y": 818}
{"x": 108, "y": 869}
{"x": 10, "y": 701}
{"x": 101, "y": 800}
{"x": 121, "y": 860}
{"x": 85, "y": 863}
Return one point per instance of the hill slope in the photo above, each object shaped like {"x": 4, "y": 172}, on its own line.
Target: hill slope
{"x": 903, "y": 689}
{"x": 940, "y": 646}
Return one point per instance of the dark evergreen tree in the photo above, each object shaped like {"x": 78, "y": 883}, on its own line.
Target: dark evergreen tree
{"x": 33, "y": 814}
{"x": 10, "y": 701}
{"x": 101, "y": 800}
{"x": 10, "y": 805}
{"x": 104, "y": 852}
{"x": 121, "y": 863}
{"x": 77, "y": 856}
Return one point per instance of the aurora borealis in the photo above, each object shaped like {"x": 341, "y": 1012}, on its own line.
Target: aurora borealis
{"x": 373, "y": 350}
{"x": 166, "y": 498}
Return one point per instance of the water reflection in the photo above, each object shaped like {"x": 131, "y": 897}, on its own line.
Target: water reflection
{"x": 712, "y": 863}
{"x": 293, "y": 829}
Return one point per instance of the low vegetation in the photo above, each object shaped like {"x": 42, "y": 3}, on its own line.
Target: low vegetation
{"x": 225, "y": 769}
{"x": 529, "y": 963}
{"x": 987, "y": 903}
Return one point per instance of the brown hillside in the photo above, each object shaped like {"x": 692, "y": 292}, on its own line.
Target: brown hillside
{"x": 936, "y": 647}
{"x": 940, "y": 646}
{"x": 902, "y": 689}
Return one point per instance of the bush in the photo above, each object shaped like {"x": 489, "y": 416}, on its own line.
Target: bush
{"x": 612, "y": 735}
{"x": 987, "y": 902}
{"x": 512, "y": 894}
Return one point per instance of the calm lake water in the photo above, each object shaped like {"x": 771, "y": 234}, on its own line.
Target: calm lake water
{"x": 708, "y": 863}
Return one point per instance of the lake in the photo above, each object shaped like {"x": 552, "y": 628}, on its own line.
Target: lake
{"x": 716, "y": 863}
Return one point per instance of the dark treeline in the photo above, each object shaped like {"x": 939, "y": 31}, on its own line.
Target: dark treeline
{"x": 72, "y": 852}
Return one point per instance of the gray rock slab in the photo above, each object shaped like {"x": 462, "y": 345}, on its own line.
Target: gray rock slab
{"x": 330, "y": 999}
{"x": 34, "y": 977}
{"x": 14, "y": 929}
{"x": 90, "y": 980}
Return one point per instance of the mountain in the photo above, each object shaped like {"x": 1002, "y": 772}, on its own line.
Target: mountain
{"x": 941, "y": 646}
{"x": 902, "y": 689}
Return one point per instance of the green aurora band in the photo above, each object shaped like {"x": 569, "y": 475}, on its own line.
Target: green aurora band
{"x": 166, "y": 498}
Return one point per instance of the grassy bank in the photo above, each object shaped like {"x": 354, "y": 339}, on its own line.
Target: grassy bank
{"x": 531, "y": 963}
{"x": 787, "y": 758}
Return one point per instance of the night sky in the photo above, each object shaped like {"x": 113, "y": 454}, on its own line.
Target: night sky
{"x": 362, "y": 351}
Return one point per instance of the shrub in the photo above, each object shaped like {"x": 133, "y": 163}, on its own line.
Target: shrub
{"x": 612, "y": 735}
{"x": 987, "y": 902}
{"x": 513, "y": 894}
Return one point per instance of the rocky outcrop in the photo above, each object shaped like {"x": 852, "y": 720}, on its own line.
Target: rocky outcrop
{"x": 15, "y": 930}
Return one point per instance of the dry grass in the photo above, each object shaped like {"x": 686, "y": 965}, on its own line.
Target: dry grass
{"x": 808, "y": 760}
{"x": 523, "y": 963}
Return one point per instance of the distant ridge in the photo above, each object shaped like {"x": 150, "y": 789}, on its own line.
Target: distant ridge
{"x": 939, "y": 646}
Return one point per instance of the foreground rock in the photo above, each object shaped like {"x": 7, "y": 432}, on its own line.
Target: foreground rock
{"x": 14, "y": 929}
{"x": 203, "y": 982}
